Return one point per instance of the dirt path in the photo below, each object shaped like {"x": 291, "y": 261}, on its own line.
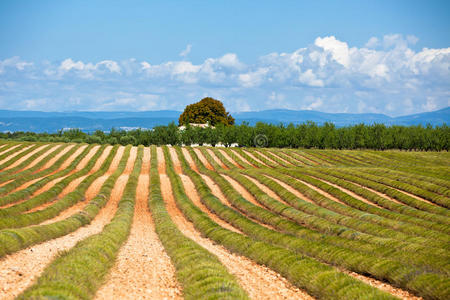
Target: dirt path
{"x": 142, "y": 270}
{"x": 175, "y": 161}
{"x": 254, "y": 157}
{"x": 92, "y": 190}
{"x": 258, "y": 281}
{"x": 230, "y": 159}
{"x": 22, "y": 159}
{"x": 203, "y": 159}
{"x": 189, "y": 159}
{"x": 19, "y": 270}
{"x": 216, "y": 159}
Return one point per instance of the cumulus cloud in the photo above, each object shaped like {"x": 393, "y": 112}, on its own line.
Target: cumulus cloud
{"x": 385, "y": 75}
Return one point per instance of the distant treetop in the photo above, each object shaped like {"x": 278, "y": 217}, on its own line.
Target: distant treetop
{"x": 207, "y": 110}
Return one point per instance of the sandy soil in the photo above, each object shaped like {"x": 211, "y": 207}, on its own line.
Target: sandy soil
{"x": 191, "y": 192}
{"x": 266, "y": 190}
{"x": 142, "y": 254}
{"x": 3, "y": 150}
{"x": 242, "y": 158}
{"x": 242, "y": 190}
{"x": 280, "y": 157}
{"x": 22, "y": 159}
{"x": 267, "y": 158}
{"x": 18, "y": 271}
{"x": 14, "y": 153}
{"x": 290, "y": 189}
{"x": 91, "y": 192}
{"x": 37, "y": 160}
{"x": 216, "y": 159}
{"x": 54, "y": 159}
{"x": 254, "y": 157}
{"x": 203, "y": 159}
{"x": 259, "y": 281}
{"x": 175, "y": 161}
{"x": 189, "y": 159}
{"x": 230, "y": 159}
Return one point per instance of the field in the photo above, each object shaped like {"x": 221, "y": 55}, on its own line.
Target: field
{"x": 81, "y": 221}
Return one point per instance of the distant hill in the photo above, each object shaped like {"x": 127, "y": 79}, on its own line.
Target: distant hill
{"x": 90, "y": 121}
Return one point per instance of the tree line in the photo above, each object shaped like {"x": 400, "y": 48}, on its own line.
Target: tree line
{"x": 306, "y": 135}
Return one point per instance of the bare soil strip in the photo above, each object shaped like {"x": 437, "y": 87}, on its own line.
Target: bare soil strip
{"x": 19, "y": 270}
{"x": 268, "y": 158}
{"x": 22, "y": 159}
{"x": 290, "y": 189}
{"x": 297, "y": 160}
{"x": 9, "y": 149}
{"x": 276, "y": 154}
{"x": 242, "y": 158}
{"x": 230, "y": 159}
{"x": 6, "y": 182}
{"x": 142, "y": 270}
{"x": 415, "y": 197}
{"x": 175, "y": 161}
{"x": 216, "y": 159}
{"x": 242, "y": 190}
{"x": 54, "y": 159}
{"x": 203, "y": 159}
{"x": 266, "y": 190}
{"x": 189, "y": 159}
{"x": 91, "y": 192}
{"x": 294, "y": 153}
{"x": 36, "y": 161}
{"x": 331, "y": 197}
{"x": 255, "y": 158}
{"x": 258, "y": 281}
{"x": 191, "y": 192}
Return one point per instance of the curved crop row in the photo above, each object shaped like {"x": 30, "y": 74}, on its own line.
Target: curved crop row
{"x": 79, "y": 272}
{"x": 12, "y": 240}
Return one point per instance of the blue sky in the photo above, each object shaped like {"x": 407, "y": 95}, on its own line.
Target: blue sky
{"x": 389, "y": 57}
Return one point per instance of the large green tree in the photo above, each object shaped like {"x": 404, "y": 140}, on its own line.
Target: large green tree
{"x": 207, "y": 110}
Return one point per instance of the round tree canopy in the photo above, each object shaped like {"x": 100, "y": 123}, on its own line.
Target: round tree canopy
{"x": 207, "y": 110}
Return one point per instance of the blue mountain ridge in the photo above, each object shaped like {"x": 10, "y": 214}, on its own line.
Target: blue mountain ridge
{"x": 38, "y": 121}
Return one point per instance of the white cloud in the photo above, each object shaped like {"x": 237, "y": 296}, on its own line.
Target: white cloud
{"x": 186, "y": 51}
{"x": 385, "y": 75}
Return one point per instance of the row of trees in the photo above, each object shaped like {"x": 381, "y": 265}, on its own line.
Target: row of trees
{"x": 307, "y": 135}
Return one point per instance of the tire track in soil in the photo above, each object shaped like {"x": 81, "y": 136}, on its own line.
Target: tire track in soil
{"x": 19, "y": 270}
{"x": 258, "y": 281}
{"x": 216, "y": 159}
{"x": 142, "y": 254}
{"x": 203, "y": 159}
{"x": 230, "y": 159}
{"x": 14, "y": 164}
{"x": 402, "y": 294}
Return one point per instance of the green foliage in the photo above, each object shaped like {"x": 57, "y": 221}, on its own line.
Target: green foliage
{"x": 208, "y": 110}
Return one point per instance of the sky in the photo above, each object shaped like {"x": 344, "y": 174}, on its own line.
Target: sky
{"x": 390, "y": 57}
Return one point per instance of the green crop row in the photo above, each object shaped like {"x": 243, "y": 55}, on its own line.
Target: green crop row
{"x": 222, "y": 158}
{"x": 33, "y": 172}
{"x": 200, "y": 273}
{"x": 393, "y": 210}
{"x": 14, "y": 221}
{"x": 415, "y": 189}
{"x": 406, "y": 276}
{"x": 236, "y": 158}
{"x": 24, "y": 149}
{"x": 28, "y": 191}
{"x": 289, "y": 158}
{"x": 361, "y": 210}
{"x": 354, "y": 176}
{"x": 318, "y": 279}
{"x": 276, "y": 158}
{"x": 80, "y": 271}
{"x": 340, "y": 225}
{"x": 261, "y": 156}
{"x": 12, "y": 240}
{"x": 248, "y": 158}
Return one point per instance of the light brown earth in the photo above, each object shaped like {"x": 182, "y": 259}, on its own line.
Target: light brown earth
{"x": 36, "y": 161}
{"x": 203, "y": 159}
{"x": 242, "y": 158}
{"x": 54, "y": 159}
{"x": 216, "y": 159}
{"x": 142, "y": 270}
{"x": 189, "y": 159}
{"x": 258, "y": 281}
{"x": 266, "y": 157}
{"x": 280, "y": 157}
{"x": 230, "y": 159}
{"x": 19, "y": 270}
{"x": 255, "y": 158}
{"x": 14, "y": 164}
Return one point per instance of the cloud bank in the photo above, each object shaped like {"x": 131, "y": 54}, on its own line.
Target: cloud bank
{"x": 384, "y": 76}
